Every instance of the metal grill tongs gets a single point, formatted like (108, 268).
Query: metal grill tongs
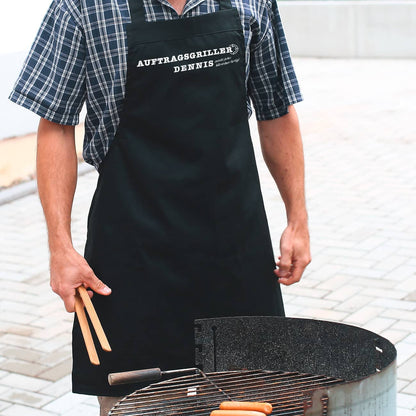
(82, 300)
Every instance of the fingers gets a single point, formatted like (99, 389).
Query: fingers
(284, 264)
(97, 285)
(65, 290)
(284, 271)
(295, 254)
(67, 293)
(69, 270)
(68, 296)
(292, 277)
(295, 272)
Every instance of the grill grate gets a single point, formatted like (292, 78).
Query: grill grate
(289, 393)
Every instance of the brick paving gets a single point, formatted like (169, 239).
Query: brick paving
(360, 144)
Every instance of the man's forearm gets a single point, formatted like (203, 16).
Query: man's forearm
(57, 178)
(281, 144)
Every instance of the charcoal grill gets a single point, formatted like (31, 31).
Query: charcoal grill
(300, 366)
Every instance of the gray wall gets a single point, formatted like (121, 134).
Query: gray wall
(15, 119)
(19, 23)
(350, 29)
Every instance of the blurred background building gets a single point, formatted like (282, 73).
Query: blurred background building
(351, 28)
(314, 28)
(19, 23)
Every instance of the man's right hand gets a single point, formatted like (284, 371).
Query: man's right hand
(69, 270)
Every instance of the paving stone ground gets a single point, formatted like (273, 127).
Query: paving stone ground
(360, 145)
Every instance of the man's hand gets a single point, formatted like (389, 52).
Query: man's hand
(295, 254)
(70, 270)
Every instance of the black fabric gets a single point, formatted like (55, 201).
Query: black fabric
(137, 11)
(177, 226)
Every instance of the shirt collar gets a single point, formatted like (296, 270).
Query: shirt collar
(191, 4)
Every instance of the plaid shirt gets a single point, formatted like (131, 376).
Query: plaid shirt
(80, 55)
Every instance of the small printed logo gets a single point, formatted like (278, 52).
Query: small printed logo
(233, 48)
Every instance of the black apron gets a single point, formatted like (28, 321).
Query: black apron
(177, 226)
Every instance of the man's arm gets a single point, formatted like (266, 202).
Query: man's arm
(281, 144)
(57, 178)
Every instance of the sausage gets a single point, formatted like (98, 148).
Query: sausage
(236, 413)
(257, 406)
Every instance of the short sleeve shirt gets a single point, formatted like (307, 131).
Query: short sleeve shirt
(80, 56)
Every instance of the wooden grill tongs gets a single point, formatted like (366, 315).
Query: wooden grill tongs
(82, 299)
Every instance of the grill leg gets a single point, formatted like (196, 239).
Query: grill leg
(319, 405)
(107, 403)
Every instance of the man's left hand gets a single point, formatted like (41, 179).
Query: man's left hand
(295, 254)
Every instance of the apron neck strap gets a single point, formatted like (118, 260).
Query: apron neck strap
(225, 4)
(137, 10)
(137, 13)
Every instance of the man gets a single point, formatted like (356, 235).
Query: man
(177, 226)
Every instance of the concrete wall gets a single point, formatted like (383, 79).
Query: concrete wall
(15, 120)
(19, 23)
(350, 29)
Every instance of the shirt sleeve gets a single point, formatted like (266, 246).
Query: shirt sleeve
(272, 83)
(52, 80)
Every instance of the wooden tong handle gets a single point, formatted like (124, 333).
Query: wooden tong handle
(85, 329)
(94, 319)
